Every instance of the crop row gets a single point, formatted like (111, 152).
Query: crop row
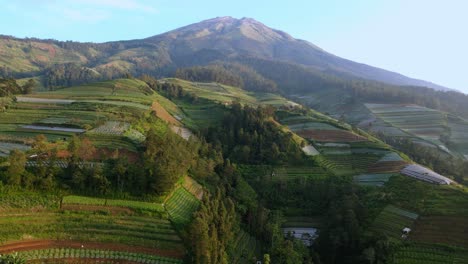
(430, 254)
(392, 220)
(137, 205)
(181, 205)
(65, 253)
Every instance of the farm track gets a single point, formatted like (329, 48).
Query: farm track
(45, 244)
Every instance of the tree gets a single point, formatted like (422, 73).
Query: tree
(16, 169)
(167, 158)
(29, 86)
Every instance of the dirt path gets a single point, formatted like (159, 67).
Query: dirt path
(44, 244)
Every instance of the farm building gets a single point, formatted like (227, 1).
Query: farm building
(424, 174)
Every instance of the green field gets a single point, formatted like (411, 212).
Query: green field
(430, 254)
(181, 205)
(392, 220)
(57, 254)
(137, 205)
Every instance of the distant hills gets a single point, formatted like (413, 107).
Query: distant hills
(219, 40)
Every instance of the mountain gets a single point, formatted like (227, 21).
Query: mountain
(219, 39)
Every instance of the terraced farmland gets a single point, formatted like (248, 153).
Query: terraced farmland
(430, 254)
(421, 122)
(437, 229)
(392, 220)
(297, 173)
(347, 164)
(181, 205)
(330, 135)
(372, 179)
(246, 249)
(7, 147)
(60, 254)
(136, 205)
(92, 227)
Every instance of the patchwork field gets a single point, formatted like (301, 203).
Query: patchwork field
(372, 179)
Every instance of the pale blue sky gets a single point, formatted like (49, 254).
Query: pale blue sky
(426, 39)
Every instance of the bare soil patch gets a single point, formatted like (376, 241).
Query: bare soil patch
(387, 166)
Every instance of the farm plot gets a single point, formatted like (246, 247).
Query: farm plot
(373, 179)
(53, 128)
(132, 230)
(297, 173)
(246, 249)
(348, 164)
(330, 135)
(429, 254)
(183, 132)
(181, 205)
(193, 187)
(422, 122)
(111, 128)
(451, 230)
(7, 147)
(312, 126)
(59, 254)
(23, 99)
(309, 150)
(334, 148)
(392, 220)
(387, 166)
(136, 205)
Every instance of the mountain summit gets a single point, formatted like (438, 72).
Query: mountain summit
(221, 39)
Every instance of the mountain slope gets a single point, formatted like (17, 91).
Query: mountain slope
(218, 39)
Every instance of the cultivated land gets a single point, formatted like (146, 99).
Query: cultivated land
(48, 226)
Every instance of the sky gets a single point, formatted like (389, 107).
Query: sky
(424, 39)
